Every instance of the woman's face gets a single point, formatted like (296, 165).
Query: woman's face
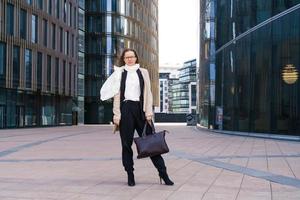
(129, 58)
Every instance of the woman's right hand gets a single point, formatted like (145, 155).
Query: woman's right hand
(116, 122)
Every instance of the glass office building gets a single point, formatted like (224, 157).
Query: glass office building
(111, 26)
(38, 63)
(249, 66)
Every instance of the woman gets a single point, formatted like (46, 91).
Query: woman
(132, 107)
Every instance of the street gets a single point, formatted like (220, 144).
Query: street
(84, 163)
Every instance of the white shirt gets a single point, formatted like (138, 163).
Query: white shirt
(111, 86)
(132, 87)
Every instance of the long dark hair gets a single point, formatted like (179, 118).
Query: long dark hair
(121, 60)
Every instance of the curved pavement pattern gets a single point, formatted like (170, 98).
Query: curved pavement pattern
(83, 162)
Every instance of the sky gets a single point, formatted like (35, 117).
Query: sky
(178, 30)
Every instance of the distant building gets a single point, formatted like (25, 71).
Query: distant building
(178, 93)
(167, 72)
(163, 93)
(183, 91)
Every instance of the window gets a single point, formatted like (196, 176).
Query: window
(34, 24)
(29, 2)
(81, 3)
(28, 67)
(56, 74)
(74, 17)
(45, 22)
(64, 76)
(65, 11)
(81, 41)
(80, 62)
(57, 8)
(39, 69)
(16, 66)
(73, 45)
(40, 4)
(53, 36)
(67, 43)
(10, 19)
(2, 58)
(23, 24)
(48, 73)
(50, 7)
(61, 39)
(74, 78)
(70, 14)
(70, 79)
(81, 19)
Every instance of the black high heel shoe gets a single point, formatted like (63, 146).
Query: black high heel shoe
(130, 181)
(164, 176)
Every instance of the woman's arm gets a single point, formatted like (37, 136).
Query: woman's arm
(148, 97)
(116, 109)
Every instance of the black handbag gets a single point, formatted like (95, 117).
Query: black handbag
(152, 144)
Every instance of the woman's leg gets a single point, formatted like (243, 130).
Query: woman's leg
(126, 133)
(158, 160)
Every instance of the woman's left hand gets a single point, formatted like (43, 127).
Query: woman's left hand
(149, 119)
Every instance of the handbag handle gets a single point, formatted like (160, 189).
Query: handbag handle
(145, 128)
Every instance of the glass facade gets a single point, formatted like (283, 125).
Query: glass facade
(111, 26)
(81, 60)
(38, 85)
(249, 66)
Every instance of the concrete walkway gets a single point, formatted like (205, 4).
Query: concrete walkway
(84, 163)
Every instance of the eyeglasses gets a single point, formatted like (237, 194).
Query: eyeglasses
(129, 57)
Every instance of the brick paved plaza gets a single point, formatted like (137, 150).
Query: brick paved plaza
(84, 163)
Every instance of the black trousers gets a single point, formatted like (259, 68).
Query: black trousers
(132, 119)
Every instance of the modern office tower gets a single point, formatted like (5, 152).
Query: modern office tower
(38, 62)
(183, 95)
(111, 26)
(249, 66)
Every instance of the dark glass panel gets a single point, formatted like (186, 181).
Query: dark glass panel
(10, 19)
(39, 70)
(40, 4)
(23, 24)
(48, 72)
(16, 66)
(53, 36)
(28, 67)
(56, 74)
(50, 7)
(45, 23)
(34, 28)
(2, 60)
